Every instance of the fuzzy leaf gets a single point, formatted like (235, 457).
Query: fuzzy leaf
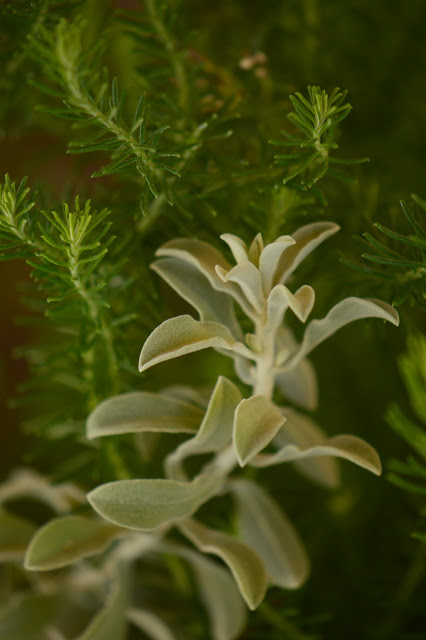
(344, 312)
(281, 298)
(244, 563)
(307, 239)
(66, 540)
(256, 422)
(150, 624)
(139, 411)
(205, 258)
(270, 258)
(148, 504)
(265, 528)
(215, 431)
(194, 287)
(247, 276)
(299, 385)
(237, 246)
(15, 534)
(181, 335)
(110, 622)
(303, 440)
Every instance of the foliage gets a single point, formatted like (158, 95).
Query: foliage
(154, 503)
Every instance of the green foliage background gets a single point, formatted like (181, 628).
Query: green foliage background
(368, 573)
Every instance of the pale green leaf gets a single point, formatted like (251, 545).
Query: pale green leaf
(151, 624)
(138, 411)
(264, 527)
(270, 258)
(181, 335)
(147, 504)
(205, 258)
(307, 239)
(299, 384)
(66, 540)
(281, 298)
(344, 312)
(110, 622)
(198, 396)
(25, 616)
(15, 534)
(237, 246)
(244, 563)
(301, 439)
(190, 283)
(255, 249)
(247, 277)
(215, 432)
(256, 422)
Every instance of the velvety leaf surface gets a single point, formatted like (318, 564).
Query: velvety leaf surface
(143, 411)
(66, 540)
(148, 504)
(264, 526)
(181, 335)
(256, 422)
(244, 563)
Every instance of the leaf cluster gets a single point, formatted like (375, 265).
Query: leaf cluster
(313, 151)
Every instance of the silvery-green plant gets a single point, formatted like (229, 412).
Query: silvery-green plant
(265, 550)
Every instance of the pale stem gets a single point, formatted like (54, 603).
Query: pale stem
(264, 371)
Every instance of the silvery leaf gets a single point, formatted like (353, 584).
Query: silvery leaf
(270, 258)
(215, 432)
(344, 312)
(199, 396)
(182, 335)
(244, 563)
(138, 411)
(247, 277)
(205, 258)
(237, 246)
(66, 540)
(150, 624)
(15, 534)
(147, 504)
(255, 249)
(301, 439)
(264, 527)
(307, 239)
(194, 287)
(256, 422)
(299, 384)
(281, 298)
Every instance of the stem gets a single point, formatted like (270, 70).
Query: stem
(264, 373)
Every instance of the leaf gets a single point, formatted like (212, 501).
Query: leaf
(237, 246)
(270, 258)
(244, 563)
(181, 335)
(66, 540)
(26, 616)
(265, 527)
(299, 384)
(110, 622)
(247, 276)
(205, 258)
(150, 624)
(147, 504)
(194, 287)
(256, 422)
(344, 312)
(281, 298)
(307, 239)
(139, 411)
(215, 432)
(15, 534)
(301, 439)
(222, 600)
